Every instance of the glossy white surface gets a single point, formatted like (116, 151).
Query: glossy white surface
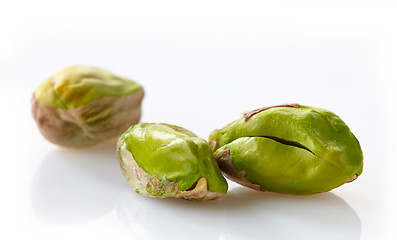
(201, 65)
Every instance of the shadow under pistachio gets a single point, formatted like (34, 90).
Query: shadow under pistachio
(242, 214)
(77, 185)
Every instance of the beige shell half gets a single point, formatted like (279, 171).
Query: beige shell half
(141, 181)
(90, 124)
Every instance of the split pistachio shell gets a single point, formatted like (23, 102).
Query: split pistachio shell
(291, 149)
(163, 160)
(83, 105)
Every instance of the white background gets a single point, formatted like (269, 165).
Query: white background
(201, 63)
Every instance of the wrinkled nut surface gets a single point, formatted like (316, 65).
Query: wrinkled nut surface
(290, 148)
(83, 105)
(163, 160)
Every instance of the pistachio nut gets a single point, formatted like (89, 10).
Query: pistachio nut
(290, 148)
(84, 105)
(163, 160)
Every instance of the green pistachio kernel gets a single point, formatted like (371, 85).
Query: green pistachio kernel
(83, 105)
(77, 86)
(163, 160)
(291, 149)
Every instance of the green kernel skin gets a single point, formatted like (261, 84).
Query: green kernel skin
(78, 85)
(292, 149)
(175, 154)
(81, 106)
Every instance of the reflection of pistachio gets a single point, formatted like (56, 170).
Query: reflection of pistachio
(163, 160)
(82, 105)
(290, 148)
